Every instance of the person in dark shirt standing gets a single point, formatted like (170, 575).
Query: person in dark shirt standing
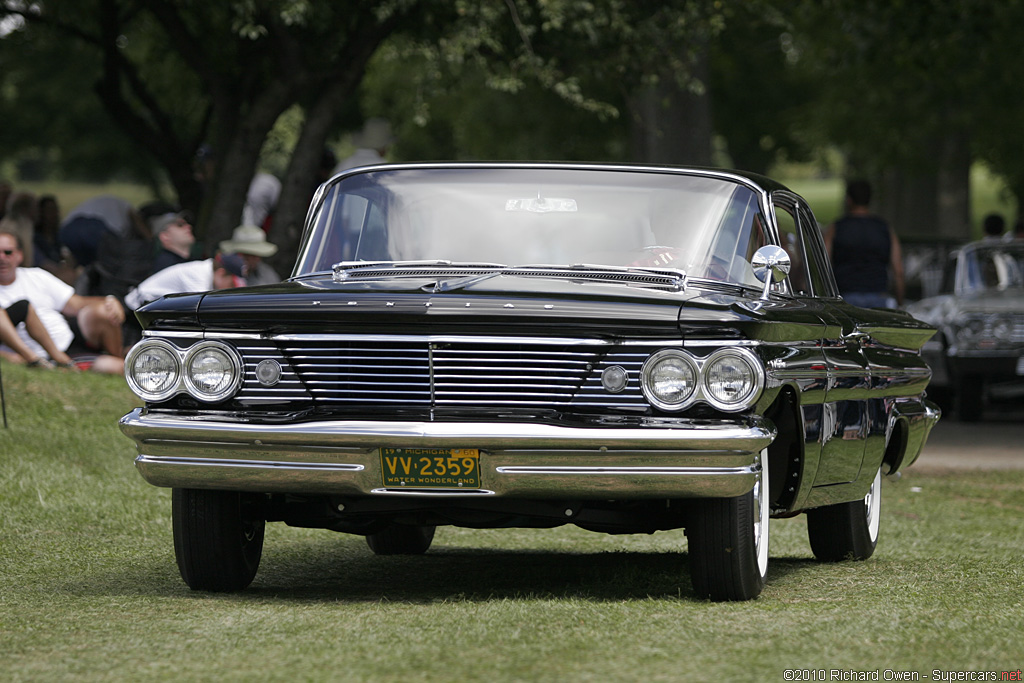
(864, 251)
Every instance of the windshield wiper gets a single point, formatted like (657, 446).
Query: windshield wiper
(345, 269)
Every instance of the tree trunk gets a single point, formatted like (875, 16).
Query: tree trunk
(236, 157)
(932, 203)
(302, 176)
(671, 125)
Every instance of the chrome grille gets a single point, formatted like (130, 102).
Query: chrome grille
(420, 372)
(1017, 329)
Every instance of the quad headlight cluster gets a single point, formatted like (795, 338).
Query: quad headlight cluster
(209, 371)
(989, 331)
(729, 379)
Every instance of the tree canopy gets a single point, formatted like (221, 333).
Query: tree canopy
(139, 86)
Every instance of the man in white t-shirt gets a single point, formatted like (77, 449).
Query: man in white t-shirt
(225, 271)
(92, 322)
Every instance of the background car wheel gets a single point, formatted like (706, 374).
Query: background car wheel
(728, 541)
(847, 531)
(970, 397)
(218, 538)
(399, 539)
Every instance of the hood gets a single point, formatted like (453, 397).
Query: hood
(993, 301)
(947, 308)
(543, 306)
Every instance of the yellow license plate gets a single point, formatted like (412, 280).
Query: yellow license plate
(430, 468)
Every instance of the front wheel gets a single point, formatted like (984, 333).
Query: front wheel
(728, 541)
(847, 531)
(218, 538)
(399, 539)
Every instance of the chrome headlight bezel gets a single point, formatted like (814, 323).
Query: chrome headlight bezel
(648, 381)
(182, 381)
(702, 391)
(131, 372)
(754, 382)
(227, 388)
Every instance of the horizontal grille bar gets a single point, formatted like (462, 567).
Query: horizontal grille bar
(419, 372)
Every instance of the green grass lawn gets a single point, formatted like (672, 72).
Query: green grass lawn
(89, 589)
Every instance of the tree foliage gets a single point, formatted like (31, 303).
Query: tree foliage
(138, 85)
(171, 74)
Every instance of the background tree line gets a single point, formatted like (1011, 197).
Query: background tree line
(911, 92)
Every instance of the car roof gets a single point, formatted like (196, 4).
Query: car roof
(754, 180)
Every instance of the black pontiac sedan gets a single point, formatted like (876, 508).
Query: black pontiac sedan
(627, 349)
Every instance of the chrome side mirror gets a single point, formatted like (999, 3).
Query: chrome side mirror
(771, 264)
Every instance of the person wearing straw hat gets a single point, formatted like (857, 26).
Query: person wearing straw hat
(250, 242)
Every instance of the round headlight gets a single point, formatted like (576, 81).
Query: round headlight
(212, 371)
(669, 379)
(971, 328)
(732, 379)
(1001, 329)
(153, 370)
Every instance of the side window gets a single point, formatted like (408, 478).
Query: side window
(799, 281)
(373, 241)
(814, 251)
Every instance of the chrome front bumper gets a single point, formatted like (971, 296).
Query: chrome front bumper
(697, 458)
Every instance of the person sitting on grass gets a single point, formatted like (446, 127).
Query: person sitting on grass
(223, 271)
(75, 323)
(22, 312)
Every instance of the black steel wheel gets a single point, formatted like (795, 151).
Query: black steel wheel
(218, 538)
(728, 542)
(399, 539)
(847, 531)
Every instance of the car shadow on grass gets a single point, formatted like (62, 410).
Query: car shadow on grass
(323, 571)
(452, 573)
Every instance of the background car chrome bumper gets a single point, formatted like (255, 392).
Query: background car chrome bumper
(698, 458)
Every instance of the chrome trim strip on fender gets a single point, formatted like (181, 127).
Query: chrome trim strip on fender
(628, 471)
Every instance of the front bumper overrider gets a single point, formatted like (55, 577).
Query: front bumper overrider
(655, 459)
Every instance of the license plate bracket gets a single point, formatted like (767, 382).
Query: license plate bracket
(430, 468)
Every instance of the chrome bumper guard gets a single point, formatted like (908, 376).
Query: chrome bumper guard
(698, 458)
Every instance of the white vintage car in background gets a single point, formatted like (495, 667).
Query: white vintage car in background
(978, 354)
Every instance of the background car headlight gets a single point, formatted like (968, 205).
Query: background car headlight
(1001, 330)
(971, 328)
(732, 379)
(213, 371)
(669, 379)
(153, 370)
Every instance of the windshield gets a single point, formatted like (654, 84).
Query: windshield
(702, 225)
(995, 266)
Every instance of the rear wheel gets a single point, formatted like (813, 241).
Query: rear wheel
(728, 540)
(218, 538)
(399, 539)
(847, 531)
